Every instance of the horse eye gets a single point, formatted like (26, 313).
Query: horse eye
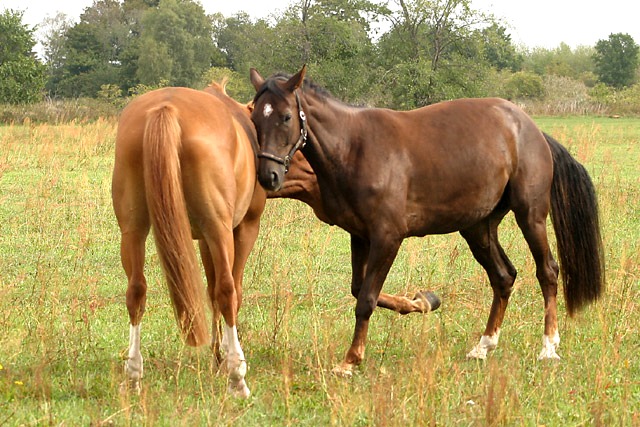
(286, 118)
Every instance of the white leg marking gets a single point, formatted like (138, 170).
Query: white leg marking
(236, 364)
(133, 365)
(486, 344)
(549, 346)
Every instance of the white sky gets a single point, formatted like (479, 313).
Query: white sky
(540, 23)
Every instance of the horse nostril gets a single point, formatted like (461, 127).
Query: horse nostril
(275, 179)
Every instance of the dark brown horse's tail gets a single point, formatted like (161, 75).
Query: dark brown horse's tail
(574, 213)
(171, 228)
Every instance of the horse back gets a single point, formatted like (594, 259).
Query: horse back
(452, 162)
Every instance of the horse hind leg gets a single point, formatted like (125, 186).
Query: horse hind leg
(221, 247)
(483, 242)
(216, 329)
(422, 302)
(533, 226)
(132, 250)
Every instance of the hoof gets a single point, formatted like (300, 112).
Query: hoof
(477, 354)
(237, 385)
(344, 370)
(429, 298)
(130, 386)
(548, 354)
(239, 390)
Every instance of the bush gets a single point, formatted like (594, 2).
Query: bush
(524, 85)
(625, 101)
(58, 111)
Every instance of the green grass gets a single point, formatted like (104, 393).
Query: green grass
(65, 326)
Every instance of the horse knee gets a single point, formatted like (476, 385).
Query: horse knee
(365, 307)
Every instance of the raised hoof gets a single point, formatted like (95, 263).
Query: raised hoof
(344, 370)
(430, 298)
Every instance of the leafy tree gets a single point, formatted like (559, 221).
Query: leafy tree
(499, 49)
(90, 54)
(340, 50)
(175, 43)
(245, 43)
(83, 70)
(331, 36)
(617, 60)
(22, 76)
(433, 51)
(562, 61)
(53, 32)
(137, 42)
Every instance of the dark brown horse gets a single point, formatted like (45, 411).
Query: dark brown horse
(185, 166)
(455, 166)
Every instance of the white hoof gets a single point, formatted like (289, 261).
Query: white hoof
(548, 354)
(239, 390)
(344, 370)
(133, 370)
(486, 344)
(477, 352)
(237, 385)
(549, 346)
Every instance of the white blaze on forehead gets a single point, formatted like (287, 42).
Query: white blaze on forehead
(268, 109)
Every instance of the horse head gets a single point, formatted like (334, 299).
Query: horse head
(280, 123)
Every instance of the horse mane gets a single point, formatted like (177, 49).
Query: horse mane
(221, 85)
(271, 85)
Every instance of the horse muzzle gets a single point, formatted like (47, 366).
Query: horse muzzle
(271, 174)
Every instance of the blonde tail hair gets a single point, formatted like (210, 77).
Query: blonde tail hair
(171, 228)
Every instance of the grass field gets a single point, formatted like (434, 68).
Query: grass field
(65, 327)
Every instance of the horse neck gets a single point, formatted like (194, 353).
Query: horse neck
(330, 132)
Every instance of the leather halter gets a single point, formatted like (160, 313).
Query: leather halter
(302, 140)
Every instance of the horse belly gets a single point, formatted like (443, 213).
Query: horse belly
(453, 211)
(444, 222)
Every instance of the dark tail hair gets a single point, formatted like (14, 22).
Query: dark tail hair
(574, 214)
(171, 228)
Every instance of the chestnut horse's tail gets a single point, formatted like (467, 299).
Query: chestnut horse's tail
(574, 213)
(171, 228)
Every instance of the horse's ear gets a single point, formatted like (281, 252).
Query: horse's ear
(296, 81)
(256, 79)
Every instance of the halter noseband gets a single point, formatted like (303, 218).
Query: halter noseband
(302, 140)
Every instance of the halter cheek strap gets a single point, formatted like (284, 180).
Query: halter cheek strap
(300, 143)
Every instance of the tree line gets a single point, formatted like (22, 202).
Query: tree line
(402, 54)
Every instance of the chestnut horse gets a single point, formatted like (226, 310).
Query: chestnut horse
(185, 165)
(459, 166)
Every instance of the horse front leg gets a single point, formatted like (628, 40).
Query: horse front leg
(381, 255)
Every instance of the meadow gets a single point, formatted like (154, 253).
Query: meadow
(64, 325)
